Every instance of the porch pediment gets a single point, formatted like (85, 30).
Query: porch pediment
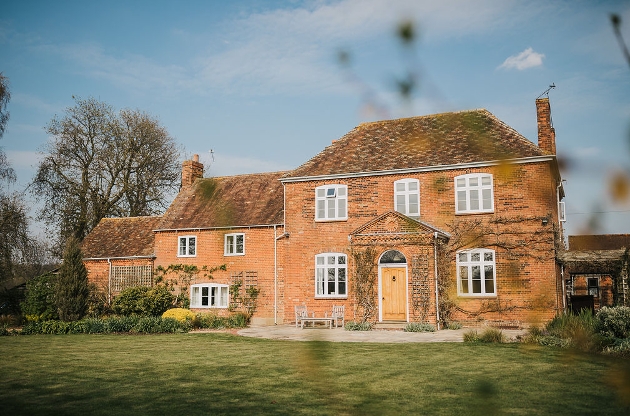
(394, 223)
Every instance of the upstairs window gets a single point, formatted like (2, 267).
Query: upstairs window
(476, 273)
(407, 197)
(187, 246)
(209, 296)
(234, 245)
(330, 275)
(473, 193)
(331, 203)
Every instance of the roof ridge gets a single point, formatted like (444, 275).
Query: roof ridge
(474, 110)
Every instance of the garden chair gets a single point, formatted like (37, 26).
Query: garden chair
(338, 312)
(300, 312)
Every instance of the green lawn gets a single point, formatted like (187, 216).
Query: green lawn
(188, 374)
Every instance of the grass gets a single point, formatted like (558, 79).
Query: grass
(220, 373)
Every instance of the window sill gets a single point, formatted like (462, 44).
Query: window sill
(474, 212)
(476, 295)
(331, 296)
(179, 255)
(331, 220)
(233, 255)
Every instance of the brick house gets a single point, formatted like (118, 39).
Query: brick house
(436, 218)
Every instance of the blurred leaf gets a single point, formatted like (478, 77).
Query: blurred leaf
(407, 32)
(620, 186)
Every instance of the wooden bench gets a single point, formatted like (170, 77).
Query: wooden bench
(327, 320)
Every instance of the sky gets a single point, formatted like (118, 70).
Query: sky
(256, 86)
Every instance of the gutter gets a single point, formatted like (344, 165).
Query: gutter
(228, 227)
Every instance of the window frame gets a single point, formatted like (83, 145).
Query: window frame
(468, 190)
(222, 296)
(406, 194)
(469, 264)
(327, 198)
(234, 245)
(187, 246)
(322, 284)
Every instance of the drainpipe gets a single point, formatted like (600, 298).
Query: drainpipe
(275, 276)
(109, 281)
(435, 273)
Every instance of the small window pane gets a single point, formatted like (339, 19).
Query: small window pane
(400, 203)
(463, 275)
(320, 260)
(474, 181)
(321, 208)
(487, 256)
(342, 259)
(474, 200)
(400, 187)
(486, 180)
(342, 288)
(487, 198)
(321, 192)
(331, 208)
(475, 257)
(330, 192)
(341, 191)
(224, 297)
(331, 259)
(461, 182)
(413, 204)
(413, 186)
(463, 256)
(461, 200)
(341, 211)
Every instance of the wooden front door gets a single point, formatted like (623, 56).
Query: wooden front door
(394, 294)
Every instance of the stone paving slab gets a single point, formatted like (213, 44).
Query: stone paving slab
(291, 333)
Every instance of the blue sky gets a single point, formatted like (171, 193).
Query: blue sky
(258, 82)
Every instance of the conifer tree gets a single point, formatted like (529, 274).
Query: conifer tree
(72, 292)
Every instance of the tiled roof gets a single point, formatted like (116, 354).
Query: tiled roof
(433, 140)
(241, 200)
(121, 237)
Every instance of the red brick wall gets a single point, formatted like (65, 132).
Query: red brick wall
(259, 257)
(523, 195)
(98, 271)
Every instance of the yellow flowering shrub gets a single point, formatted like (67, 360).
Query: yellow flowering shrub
(181, 314)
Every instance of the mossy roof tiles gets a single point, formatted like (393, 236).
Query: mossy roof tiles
(121, 237)
(407, 143)
(228, 201)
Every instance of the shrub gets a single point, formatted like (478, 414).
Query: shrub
(181, 314)
(128, 302)
(613, 322)
(489, 335)
(568, 325)
(358, 326)
(621, 348)
(143, 301)
(39, 304)
(126, 324)
(212, 321)
(156, 301)
(419, 327)
(454, 325)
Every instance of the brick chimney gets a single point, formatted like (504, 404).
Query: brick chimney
(546, 132)
(191, 171)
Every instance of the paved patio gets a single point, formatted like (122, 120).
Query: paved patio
(291, 333)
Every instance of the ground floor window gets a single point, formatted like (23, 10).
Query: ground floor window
(330, 275)
(209, 295)
(476, 273)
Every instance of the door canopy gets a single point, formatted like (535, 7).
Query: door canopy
(393, 257)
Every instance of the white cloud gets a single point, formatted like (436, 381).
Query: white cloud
(23, 159)
(526, 59)
(587, 152)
